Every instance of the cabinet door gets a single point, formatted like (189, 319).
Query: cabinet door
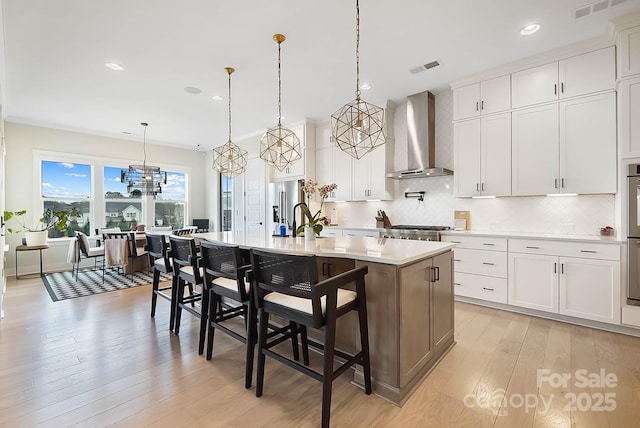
(588, 145)
(466, 102)
(533, 281)
(325, 173)
(442, 312)
(590, 289)
(360, 176)
(628, 114)
(495, 95)
(343, 178)
(323, 136)
(535, 146)
(377, 181)
(535, 85)
(629, 52)
(415, 318)
(466, 146)
(587, 73)
(495, 155)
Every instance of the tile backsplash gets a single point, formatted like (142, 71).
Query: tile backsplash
(582, 215)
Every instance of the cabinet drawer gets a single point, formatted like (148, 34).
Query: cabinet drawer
(489, 263)
(481, 287)
(585, 250)
(477, 242)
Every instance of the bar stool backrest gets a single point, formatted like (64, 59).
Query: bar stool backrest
(294, 275)
(223, 260)
(184, 254)
(158, 248)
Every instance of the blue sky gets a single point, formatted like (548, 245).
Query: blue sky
(73, 180)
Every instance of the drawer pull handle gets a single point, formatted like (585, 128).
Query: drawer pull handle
(488, 264)
(588, 251)
(456, 283)
(455, 242)
(484, 243)
(533, 248)
(457, 260)
(488, 289)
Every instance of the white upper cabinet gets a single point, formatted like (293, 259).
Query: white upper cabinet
(482, 156)
(628, 114)
(588, 145)
(490, 96)
(568, 147)
(629, 52)
(368, 173)
(578, 75)
(305, 167)
(535, 150)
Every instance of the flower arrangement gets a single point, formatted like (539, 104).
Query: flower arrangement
(317, 220)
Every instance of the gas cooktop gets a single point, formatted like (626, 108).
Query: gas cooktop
(414, 227)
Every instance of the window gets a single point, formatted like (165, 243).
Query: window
(66, 185)
(170, 204)
(226, 203)
(121, 209)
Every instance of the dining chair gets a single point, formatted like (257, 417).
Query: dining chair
(133, 251)
(88, 252)
(160, 259)
(188, 273)
(287, 286)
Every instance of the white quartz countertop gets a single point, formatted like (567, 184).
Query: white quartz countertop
(527, 235)
(377, 250)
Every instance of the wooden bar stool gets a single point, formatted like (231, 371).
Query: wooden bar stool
(287, 286)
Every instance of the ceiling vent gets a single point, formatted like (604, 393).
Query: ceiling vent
(594, 7)
(424, 67)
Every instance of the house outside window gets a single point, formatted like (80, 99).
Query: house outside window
(66, 185)
(122, 209)
(170, 204)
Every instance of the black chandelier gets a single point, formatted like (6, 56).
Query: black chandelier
(148, 179)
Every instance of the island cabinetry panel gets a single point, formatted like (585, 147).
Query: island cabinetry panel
(481, 266)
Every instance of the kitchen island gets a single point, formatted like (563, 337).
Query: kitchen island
(409, 300)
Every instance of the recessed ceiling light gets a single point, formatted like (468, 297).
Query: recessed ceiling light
(527, 30)
(192, 90)
(113, 66)
(216, 98)
(365, 86)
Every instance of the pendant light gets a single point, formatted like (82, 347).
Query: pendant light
(229, 158)
(147, 179)
(358, 127)
(279, 146)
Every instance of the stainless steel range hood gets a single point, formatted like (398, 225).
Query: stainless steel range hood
(420, 139)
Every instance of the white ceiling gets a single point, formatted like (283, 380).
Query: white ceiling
(55, 53)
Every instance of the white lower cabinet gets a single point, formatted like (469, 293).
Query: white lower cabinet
(480, 267)
(544, 275)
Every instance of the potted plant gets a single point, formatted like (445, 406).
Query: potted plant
(37, 235)
(315, 222)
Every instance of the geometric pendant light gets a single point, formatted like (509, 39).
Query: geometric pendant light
(279, 146)
(148, 179)
(358, 127)
(230, 159)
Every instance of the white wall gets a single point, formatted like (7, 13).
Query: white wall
(571, 215)
(22, 140)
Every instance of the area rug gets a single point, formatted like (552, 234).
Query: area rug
(63, 285)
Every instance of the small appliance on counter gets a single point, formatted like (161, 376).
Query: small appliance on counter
(461, 220)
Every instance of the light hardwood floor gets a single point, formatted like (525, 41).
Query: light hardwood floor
(102, 361)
